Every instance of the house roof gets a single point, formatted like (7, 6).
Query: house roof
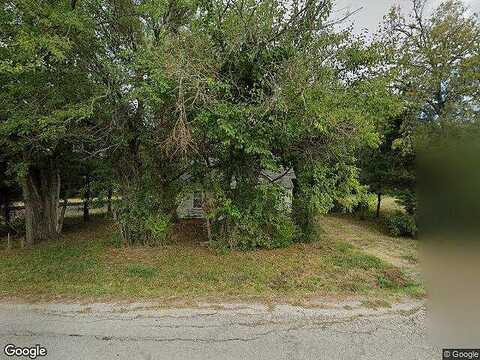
(282, 177)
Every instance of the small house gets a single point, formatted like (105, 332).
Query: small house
(191, 205)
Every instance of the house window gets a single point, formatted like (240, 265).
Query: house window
(197, 200)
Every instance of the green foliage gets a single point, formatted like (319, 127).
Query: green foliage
(250, 234)
(382, 166)
(434, 58)
(262, 223)
(432, 61)
(152, 98)
(408, 200)
(47, 93)
(325, 187)
(400, 224)
(140, 218)
(159, 226)
(15, 227)
(386, 283)
(355, 260)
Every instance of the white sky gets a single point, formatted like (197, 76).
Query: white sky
(374, 10)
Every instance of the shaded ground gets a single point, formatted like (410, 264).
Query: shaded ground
(144, 331)
(89, 263)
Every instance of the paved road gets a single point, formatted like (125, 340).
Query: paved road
(142, 331)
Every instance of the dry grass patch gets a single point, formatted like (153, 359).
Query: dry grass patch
(370, 237)
(85, 264)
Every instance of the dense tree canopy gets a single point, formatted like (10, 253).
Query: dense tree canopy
(153, 99)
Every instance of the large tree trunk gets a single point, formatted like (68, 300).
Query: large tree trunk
(41, 193)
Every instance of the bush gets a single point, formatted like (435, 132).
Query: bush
(362, 209)
(359, 202)
(282, 231)
(141, 220)
(262, 222)
(408, 200)
(158, 226)
(401, 224)
(249, 233)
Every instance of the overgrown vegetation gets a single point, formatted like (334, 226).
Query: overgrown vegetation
(86, 265)
(138, 104)
(143, 99)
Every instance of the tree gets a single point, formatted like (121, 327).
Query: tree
(210, 91)
(333, 101)
(437, 58)
(142, 121)
(385, 169)
(46, 95)
(437, 62)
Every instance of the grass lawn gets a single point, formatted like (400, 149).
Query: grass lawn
(85, 265)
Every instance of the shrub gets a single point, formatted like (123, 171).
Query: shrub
(362, 209)
(249, 233)
(283, 231)
(359, 202)
(158, 226)
(408, 200)
(401, 224)
(263, 222)
(141, 219)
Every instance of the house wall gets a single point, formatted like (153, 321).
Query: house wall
(186, 210)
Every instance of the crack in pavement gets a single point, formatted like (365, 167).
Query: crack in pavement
(134, 339)
(325, 326)
(286, 333)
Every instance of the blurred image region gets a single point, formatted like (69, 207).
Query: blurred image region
(449, 194)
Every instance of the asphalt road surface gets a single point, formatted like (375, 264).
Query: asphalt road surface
(144, 331)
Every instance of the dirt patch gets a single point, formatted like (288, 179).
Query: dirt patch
(189, 232)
